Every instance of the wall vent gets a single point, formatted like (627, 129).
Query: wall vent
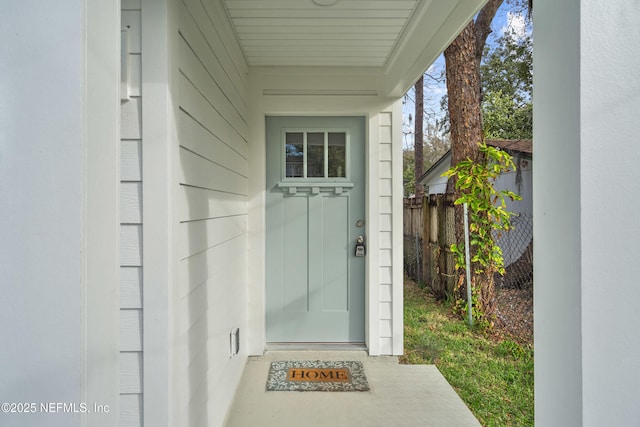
(234, 341)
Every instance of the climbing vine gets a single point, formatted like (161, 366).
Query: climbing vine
(488, 216)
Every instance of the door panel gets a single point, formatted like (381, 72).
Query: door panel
(295, 255)
(334, 277)
(315, 196)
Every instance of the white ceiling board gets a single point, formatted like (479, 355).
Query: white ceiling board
(300, 32)
(363, 43)
(322, 13)
(310, 5)
(395, 39)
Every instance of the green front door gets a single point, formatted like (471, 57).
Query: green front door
(314, 216)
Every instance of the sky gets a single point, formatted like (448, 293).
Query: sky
(434, 91)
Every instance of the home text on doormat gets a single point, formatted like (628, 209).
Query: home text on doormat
(319, 374)
(316, 375)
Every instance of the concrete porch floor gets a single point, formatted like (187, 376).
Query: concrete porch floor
(400, 395)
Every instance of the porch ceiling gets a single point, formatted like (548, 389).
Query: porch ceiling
(398, 39)
(303, 32)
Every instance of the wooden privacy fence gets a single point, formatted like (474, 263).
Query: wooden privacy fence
(429, 232)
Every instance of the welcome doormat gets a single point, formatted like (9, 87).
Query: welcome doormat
(316, 375)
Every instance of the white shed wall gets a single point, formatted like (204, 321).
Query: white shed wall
(516, 242)
(586, 230)
(509, 181)
(438, 183)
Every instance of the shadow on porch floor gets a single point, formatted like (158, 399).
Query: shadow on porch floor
(401, 395)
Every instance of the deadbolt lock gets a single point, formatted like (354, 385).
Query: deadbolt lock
(361, 249)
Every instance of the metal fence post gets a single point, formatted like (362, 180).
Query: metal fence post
(468, 263)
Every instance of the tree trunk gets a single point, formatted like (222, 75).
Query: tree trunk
(463, 88)
(462, 59)
(418, 136)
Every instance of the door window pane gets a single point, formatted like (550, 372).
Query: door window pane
(337, 155)
(294, 146)
(315, 155)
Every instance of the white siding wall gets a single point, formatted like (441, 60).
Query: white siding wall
(59, 228)
(41, 171)
(131, 242)
(587, 230)
(210, 297)
(385, 232)
(610, 233)
(385, 279)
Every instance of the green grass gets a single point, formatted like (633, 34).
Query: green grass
(494, 376)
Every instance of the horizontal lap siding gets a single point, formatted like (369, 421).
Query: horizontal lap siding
(385, 235)
(131, 244)
(211, 206)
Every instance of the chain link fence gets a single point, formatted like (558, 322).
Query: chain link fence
(414, 257)
(429, 231)
(517, 251)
